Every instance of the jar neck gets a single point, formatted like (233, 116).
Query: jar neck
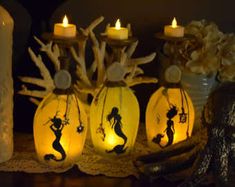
(59, 91)
(115, 83)
(172, 85)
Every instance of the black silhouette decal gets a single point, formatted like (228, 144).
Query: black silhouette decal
(172, 112)
(57, 126)
(117, 126)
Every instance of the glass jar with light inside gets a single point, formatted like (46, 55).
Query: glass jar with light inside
(170, 112)
(60, 121)
(114, 115)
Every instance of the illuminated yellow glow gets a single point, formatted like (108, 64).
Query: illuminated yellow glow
(65, 21)
(157, 120)
(128, 117)
(71, 141)
(118, 24)
(174, 23)
(111, 140)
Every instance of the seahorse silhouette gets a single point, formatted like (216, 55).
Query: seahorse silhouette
(169, 129)
(57, 127)
(117, 126)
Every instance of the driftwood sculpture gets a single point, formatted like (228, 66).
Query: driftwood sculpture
(85, 82)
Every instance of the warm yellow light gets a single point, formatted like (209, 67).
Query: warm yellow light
(174, 23)
(111, 140)
(169, 117)
(59, 130)
(118, 24)
(114, 121)
(65, 21)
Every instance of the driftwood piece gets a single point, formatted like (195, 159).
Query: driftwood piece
(173, 158)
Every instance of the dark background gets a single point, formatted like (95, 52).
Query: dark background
(146, 17)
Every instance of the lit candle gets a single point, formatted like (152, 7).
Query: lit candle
(174, 30)
(117, 32)
(65, 29)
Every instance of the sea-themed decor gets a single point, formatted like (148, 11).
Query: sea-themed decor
(88, 79)
(170, 113)
(60, 126)
(60, 122)
(114, 115)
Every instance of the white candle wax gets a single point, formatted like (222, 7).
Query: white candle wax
(117, 32)
(174, 30)
(6, 85)
(65, 29)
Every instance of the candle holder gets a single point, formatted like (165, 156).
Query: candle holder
(117, 46)
(64, 44)
(175, 42)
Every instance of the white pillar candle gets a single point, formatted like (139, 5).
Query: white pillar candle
(117, 32)
(6, 85)
(174, 30)
(65, 29)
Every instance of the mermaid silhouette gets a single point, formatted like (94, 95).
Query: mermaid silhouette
(57, 127)
(169, 129)
(117, 126)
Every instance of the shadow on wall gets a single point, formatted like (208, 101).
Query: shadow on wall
(146, 17)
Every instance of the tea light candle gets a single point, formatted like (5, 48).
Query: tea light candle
(174, 30)
(117, 32)
(65, 29)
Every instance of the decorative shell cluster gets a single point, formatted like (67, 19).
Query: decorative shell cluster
(211, 51)
(85, 83)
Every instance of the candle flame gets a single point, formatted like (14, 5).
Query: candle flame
(118, 24)
(65, 21)
(174, 23)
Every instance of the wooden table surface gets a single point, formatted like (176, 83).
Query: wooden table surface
(74, 178)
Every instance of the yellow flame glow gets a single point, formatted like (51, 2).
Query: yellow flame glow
(118, 24)
(174, 23)
(65, 21)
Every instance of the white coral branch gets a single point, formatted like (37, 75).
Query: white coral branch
(46, 82)
(140, 80)
(33, 93)
(52, 52)
(131, 49)
(142, 60)
(90, 28)
(99, 54)
(81, 70)
(43, 69)
(35, 81)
